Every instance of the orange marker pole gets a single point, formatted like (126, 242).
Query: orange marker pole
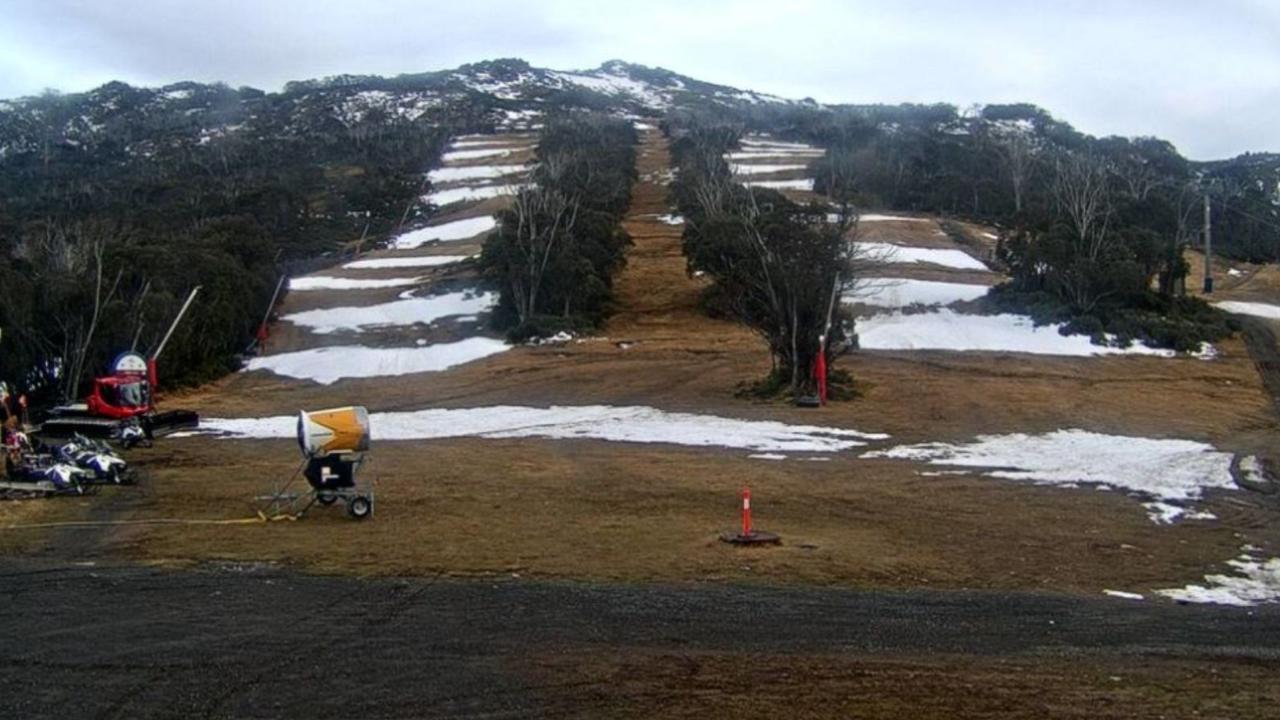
(746, 511)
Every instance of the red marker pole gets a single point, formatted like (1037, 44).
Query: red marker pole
(746, 511)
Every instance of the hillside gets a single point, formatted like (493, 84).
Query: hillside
(996, 510)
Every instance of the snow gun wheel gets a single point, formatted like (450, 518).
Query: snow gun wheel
(360, 507)
(326, 498)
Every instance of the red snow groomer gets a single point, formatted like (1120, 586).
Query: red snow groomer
(121, 406)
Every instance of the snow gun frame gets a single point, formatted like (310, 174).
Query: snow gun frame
(333, 443)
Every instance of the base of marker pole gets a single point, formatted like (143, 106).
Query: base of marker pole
(755, 537)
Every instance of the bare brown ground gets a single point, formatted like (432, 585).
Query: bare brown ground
(668, 684)
(589, 509)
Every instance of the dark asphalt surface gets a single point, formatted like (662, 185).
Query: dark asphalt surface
(99, 642)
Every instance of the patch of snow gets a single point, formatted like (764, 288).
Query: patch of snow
(739, 169)
(467, 173)
(1234, 272)
(761, 141)
(903, 254)
(801, 184)
(327, 365)
(455, 155)
(946, 329)
(634, 424)
(1163, 513)
(447, 232)
(670, 219)
(878, 217)
(1169, 471)
(900, 293)
(1254, 582)
(405, 262)
(780, 154)
(1123, 595)
(326, 282)
(1257, 309)
(767, 456)
(407, 311)
(469, 194)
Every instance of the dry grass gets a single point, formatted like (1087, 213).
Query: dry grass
(628, 512)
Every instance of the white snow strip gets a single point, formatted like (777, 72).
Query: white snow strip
(900, 293)
(1163, 513)
(448, 232)
(475, 154)
(881, 218)
(671, 219)
(636, 424)
(326, 282)
(780, 154)
(902, 254)
(763, 142)
(1170, 471)
(801, 184)
(405, 262)
(1262, 310)
(327, 365)
(474, 172)
(397, 312)
(1123, 595)
(470, 194)
(1254, 583)
(767, 456)
(738, 169)
(946, 329)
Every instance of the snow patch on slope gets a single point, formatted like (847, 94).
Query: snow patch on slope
(327, 365)
(1168, 471)
(633, 424)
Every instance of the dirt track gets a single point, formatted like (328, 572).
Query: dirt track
(248, 641)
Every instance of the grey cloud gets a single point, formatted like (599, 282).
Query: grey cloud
(1203, 75)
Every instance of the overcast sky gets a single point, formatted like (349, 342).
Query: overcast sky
(1203, 74)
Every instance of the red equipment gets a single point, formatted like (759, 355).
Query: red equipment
(123, 399)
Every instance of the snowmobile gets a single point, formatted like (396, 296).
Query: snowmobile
(99, 462)
(122, 405)
(42, 474)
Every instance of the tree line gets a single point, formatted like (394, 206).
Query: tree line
(102, 240)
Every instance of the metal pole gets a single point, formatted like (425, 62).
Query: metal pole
(1208, 248)
(274, 295)
(176, 320)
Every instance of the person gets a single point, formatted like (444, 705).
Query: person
(15, 443)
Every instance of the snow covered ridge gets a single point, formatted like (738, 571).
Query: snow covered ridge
(946, 329)
(801, 184)
(905, 254)
(633, 424)
(469, 194)
(468, 173)
(407, 311)
(326, 282)
(1262, 310)
(446, 232)
(1170, 473)
(327, 365)
(406, 262)
(900, 293)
